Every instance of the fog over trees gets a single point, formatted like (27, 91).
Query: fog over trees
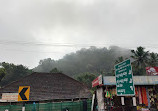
(93, 60)
(84, 65)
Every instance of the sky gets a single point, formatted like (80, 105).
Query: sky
(31, 30)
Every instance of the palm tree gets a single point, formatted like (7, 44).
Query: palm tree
(153, 59)
(119, 59)
(141, 60)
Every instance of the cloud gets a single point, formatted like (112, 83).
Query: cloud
(127, 23)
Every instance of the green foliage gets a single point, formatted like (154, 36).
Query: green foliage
(2, 73)
(153, 59)
(140, 56)
(93, 60)
(143, 59)
(55, 70)
(119, 59)
(86, 78)
(13, 72)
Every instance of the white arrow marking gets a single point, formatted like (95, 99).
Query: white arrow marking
(130, 80)
(131, 88)
(130, 72)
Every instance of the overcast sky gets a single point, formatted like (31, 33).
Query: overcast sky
(31, 30)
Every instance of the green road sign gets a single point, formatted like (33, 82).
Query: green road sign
(124, 79)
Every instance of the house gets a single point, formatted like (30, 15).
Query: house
(49, 87)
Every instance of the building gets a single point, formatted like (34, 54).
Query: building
(146, 93)
(49, 87)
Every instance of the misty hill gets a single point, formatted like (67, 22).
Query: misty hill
(93, 60)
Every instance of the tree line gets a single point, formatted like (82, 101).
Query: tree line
(93, 60)
(10, 72)
(84, 65)
(141, 60)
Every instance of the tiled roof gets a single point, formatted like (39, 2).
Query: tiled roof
(49, 86)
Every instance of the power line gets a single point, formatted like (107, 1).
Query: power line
(64, 44)
(55, 52)
(6, 42)
(48, 44)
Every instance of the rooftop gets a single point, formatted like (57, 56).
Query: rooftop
(49, 86)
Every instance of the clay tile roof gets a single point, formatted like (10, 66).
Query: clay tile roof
(49, 86)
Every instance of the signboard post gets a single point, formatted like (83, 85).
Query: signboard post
(98, 81)
(124, 79)
(152, 71)
(9, 97)
(24, 92)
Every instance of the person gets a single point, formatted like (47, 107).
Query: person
(34, 106)
(97, 108)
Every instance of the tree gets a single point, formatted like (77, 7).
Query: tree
(153, 59)
(141, 60)
(45, 65)
(93, 60)
(55, 70)
(14, 72)
(86, 78)
(2, 73)
(120, 59)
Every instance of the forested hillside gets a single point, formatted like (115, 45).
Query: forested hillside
(84, 65)
(93, 60)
